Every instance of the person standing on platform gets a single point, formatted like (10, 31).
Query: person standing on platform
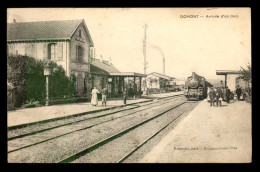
(218, 96)
(238, 92)
(212, 95)
(94, 98)
(208, 99)
(125, 96)
(228, 94)
(104, 93)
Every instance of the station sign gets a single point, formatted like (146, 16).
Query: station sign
(47, 71)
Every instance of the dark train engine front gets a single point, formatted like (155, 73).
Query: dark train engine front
(195, 87)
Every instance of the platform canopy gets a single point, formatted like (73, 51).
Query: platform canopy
(225, 72)
(128, 74)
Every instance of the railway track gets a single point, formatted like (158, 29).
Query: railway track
(15, 133)
(166, 128)
(72, 128)
(106, 151)
(61, 148)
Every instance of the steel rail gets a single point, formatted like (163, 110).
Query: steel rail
(111, 113)
(153, 135)
(106, 140)
(80, 128)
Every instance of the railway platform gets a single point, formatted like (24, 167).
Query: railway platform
(208, 135)
(38, 114)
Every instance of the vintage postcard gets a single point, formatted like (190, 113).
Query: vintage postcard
(129, 85)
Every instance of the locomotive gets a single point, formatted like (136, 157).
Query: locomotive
(196, 87)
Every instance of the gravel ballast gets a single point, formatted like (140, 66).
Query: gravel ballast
(59, 148)
(58, 132)
(118, 148)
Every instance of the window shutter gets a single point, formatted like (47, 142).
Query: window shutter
(45, 48)
(52, 51)
(82, 54)
(79, 33)
(49, 51)
(59, 51)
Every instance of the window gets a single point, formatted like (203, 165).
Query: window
(80, 33)
(79, 53)
(51, 51)
(59, 51)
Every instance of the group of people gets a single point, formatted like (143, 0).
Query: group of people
(104, 92)
(217, 95)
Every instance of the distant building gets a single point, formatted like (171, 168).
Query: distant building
(66, 42)
(159, 81)
(180, 84)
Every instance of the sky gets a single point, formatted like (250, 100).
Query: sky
(202, 45)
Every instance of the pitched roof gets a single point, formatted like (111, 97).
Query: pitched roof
(42, 30)
(128, 74)
(161, 75)
(97, 71)
(103, 67)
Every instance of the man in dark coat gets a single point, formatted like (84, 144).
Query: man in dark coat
(218, 96)
(104, 93)
(228, 93)
(212, 95)
(238, 92)
(125, 96)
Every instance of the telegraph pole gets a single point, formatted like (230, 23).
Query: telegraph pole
(144, 48)
(145, 91)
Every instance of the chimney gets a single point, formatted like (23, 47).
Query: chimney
(101, 58)
(110, 61)
(164, 66)
(14, 20)
(193, 74)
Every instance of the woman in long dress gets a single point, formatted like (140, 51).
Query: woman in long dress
(94, 98)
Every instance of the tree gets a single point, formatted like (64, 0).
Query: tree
(35, 80)
(246, 73)
(26, 74)
(16, 75)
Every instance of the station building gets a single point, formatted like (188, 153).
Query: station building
(67, 42)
